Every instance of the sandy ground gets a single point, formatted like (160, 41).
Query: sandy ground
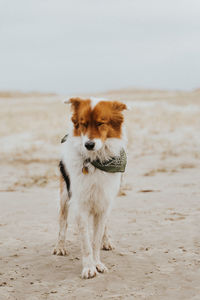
(155, 226)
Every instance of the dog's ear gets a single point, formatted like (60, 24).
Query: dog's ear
(117, 117)
(75, 102)
(118, 106)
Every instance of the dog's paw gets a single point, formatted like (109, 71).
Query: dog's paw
(60, 249)
(121, 192)
(107, 245)
(101, 267)
(89, 272)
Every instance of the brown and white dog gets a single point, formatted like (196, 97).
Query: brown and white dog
(97, 132)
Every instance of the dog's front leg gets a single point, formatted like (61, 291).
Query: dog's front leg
(99, 227)
(89, 268)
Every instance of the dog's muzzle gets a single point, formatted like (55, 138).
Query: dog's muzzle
(89, 145)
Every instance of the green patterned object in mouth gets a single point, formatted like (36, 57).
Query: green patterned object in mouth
(113, 165)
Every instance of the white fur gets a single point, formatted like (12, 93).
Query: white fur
(95, 101)
(92, 194)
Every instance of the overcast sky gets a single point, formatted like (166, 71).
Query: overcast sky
(78, 46)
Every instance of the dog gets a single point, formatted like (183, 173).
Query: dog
(93, 159)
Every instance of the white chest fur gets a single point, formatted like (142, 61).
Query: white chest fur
(94, 191)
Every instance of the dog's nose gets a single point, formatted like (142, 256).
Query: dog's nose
(90, 145)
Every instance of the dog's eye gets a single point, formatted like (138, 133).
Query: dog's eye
(84, 125)
(99, 124)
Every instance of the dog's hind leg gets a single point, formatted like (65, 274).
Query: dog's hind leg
(60, 248)
(106, 242)
(122, 186)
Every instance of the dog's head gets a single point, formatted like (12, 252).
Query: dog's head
(95, 122)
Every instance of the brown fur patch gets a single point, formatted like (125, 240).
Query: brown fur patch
(63, 204)
(62, 184)
(104, 121)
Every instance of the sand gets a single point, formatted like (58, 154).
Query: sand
(154, 226)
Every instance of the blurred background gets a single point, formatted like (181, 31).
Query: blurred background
(71, 47)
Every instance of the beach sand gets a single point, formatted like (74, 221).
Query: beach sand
(154, 225)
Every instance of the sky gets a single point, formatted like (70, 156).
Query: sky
(81, 46)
